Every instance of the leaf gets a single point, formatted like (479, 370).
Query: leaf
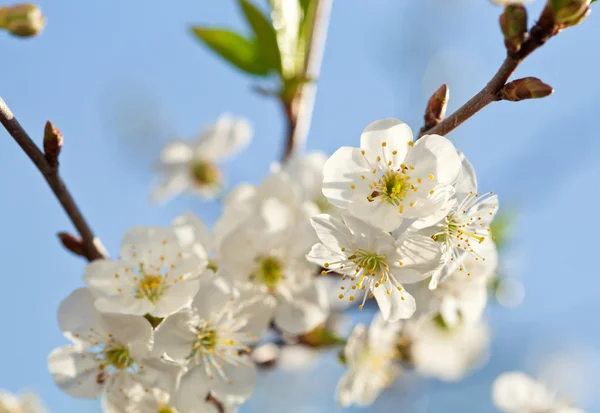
(265, 35)
(237, 50)
(321, 337)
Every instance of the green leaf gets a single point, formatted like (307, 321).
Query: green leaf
(265, 35)
(237, 50)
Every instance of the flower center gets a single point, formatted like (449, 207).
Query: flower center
(270, 271)
(117, 355)
(206, 340)
(205, 173)
(165, 409)
(392, 187)
(150, 287)
(212, 265)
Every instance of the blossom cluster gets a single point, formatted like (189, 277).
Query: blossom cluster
(169, 325)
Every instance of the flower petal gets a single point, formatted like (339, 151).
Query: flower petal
(394, 133)
(343, 170)
(435, 155)
(516, 392)
(397, 305)
(224, 138)
(75, 373)
(174, 336)
(305, 310)
(239, 383)
(176, 152)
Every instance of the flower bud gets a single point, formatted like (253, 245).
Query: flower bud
(570, 12)
(526, 88)
(436, 107)
(72, 243)
(513, 23)
(53, 141)
(23, 20)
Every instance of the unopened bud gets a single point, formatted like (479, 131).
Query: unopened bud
(513, 23)
(526, 88)
(570, 12)
(53, 141)
(23, 20)
(436, 107)
(72, 243)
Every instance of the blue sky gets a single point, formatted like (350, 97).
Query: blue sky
(121, 78)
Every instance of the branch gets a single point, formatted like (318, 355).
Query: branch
(50, 172)
(299, 109)
(539, 34)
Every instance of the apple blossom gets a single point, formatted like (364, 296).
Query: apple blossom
(372, 261)
(273, 276)
(211, 342)
(516, 392)
(372, 357)
(193, 166)
(391, 178)
(443, 352)
(109, 353)
(23, 403)
(155, 275)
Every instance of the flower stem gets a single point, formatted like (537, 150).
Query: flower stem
(539, 34)
(50, 172)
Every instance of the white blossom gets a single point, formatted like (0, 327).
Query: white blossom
(273, 277)
(210, 340)
(155, 275)
(22, 403)
(391, 178)
(194, 166)
(373, 360)
(192, 233)
(372, 261)
(462, 297)
(109, 353)
(463, 229)
(516, 392)
(446, 353)
(307, 170)
(279, 200)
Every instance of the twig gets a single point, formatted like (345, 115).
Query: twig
(539, 34)
(299, 110)
(50, 173)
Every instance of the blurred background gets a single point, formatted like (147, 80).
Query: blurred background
(120, 79)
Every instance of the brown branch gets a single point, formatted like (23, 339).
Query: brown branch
(299, 108)
(539, 34)
(50, 173)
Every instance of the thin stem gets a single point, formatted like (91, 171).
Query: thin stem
(50, 173)
(299, 110)
(539, 34)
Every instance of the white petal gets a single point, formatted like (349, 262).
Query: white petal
(436, 155)
(148, 244)
(135, 332)
(77, 314)
(307, 309)
(343, 169)
(357, 387)
(420, 256)
(383, 335)
(356, 344)
(397, 305)
(178, 296)
(396, 135)
(192, 232)
(192, 392)
(515, 392)
(382, 215)
(467, 179)
(105, 276)
(332, 232)
(176, 152)
(320, 254)
(258, 307)
(240, 382)
(173, 184)
(226, 137)
(75, 373)
(174, 336)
